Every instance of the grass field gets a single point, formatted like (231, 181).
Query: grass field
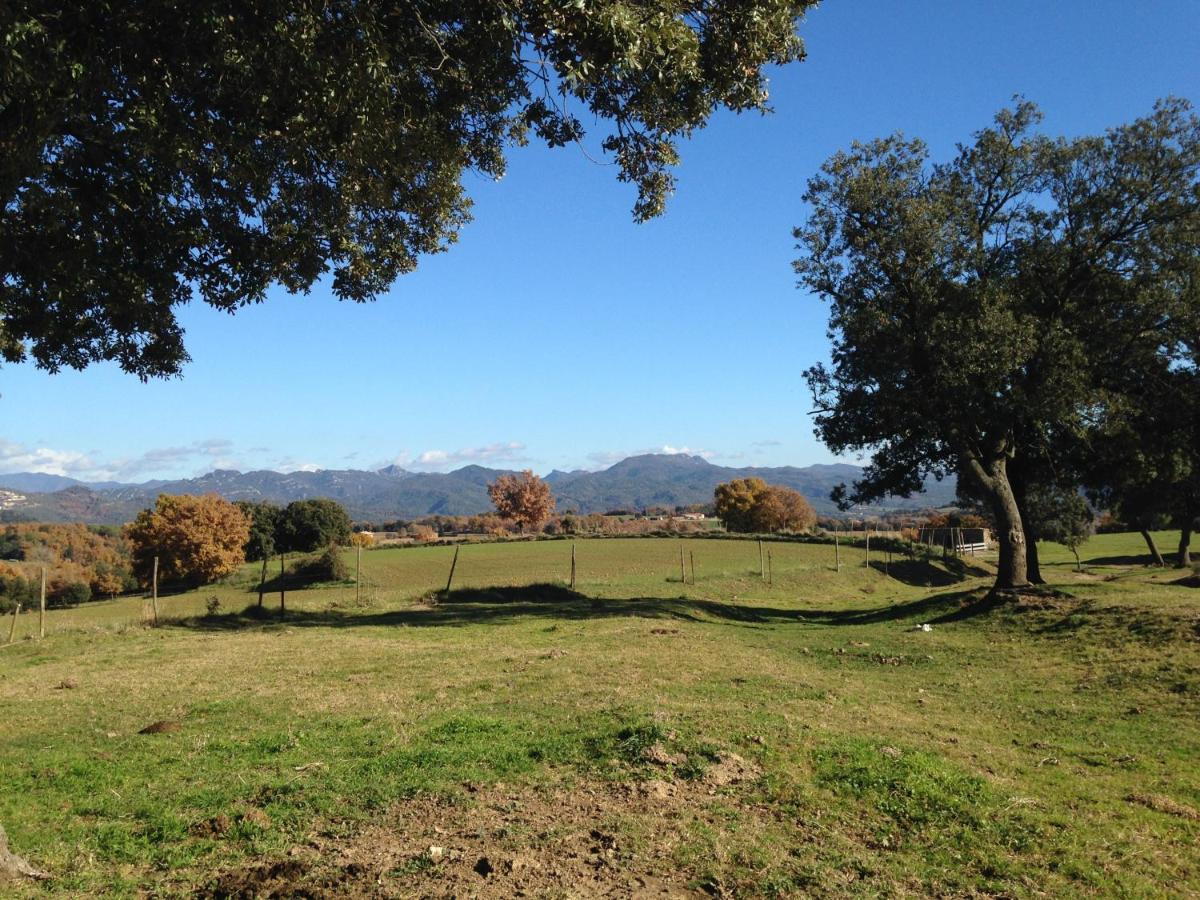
(640, 735)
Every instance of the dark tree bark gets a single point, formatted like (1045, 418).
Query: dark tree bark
(1158, 557)
(1184, 559)
(992, 477)
(1032, 562)
(1033, 565)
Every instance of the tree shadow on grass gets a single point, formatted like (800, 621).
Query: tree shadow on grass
(1120, 624)
(922, 573)
(1139, 559)
(470, 606)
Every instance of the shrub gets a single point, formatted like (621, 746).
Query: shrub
(329, 566)
(72, 593)
(421, 532)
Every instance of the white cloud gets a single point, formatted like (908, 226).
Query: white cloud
(433, 458)
(205, 455)
(680, 451)
(19, 458)
(501, 453)
(602, 459)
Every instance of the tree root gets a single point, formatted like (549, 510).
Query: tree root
(13, 866)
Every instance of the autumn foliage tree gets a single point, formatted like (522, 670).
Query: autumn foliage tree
(524, 498)
(75, 556)
(196, 539)
(782, 509)
(752, 505)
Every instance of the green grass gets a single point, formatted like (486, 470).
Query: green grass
(1015, 751)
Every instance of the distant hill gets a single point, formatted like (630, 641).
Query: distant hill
(36, 481)
(634, 483)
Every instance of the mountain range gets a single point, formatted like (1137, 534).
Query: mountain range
(390, 493)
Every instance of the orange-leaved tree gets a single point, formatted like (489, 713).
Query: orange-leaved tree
(783, 509)
(196, 539)
(750, 504)
(524, 498)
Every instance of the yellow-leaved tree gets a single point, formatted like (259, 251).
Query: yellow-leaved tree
(197, 539)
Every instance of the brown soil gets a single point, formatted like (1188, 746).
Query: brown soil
(499, 842)
(161, 727)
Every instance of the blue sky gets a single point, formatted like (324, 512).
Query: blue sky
(559, 334)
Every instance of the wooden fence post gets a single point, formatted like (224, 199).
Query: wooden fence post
(762, 569)
(572, 565)
(42, 607)
(154, 590)
(837, 552)
(770, 573)
(692, 558)
(682, 570)
(12, 629)
(453, 566)
(262, 582)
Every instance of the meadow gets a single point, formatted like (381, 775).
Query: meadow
(640, 735)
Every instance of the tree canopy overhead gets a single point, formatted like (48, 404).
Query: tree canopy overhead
(986, 311)
(156, 151)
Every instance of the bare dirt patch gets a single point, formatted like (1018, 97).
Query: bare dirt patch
(593, 839)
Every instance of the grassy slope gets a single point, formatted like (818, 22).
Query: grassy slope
(997, 753)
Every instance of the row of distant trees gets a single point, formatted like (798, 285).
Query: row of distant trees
(200, 539)
(80, 561)
(743, 505)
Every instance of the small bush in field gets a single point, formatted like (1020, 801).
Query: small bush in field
(329, 566)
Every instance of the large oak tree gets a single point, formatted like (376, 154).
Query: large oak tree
(196, 539)
(156, 151)
(987, 309)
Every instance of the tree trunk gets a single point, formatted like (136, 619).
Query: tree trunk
(992, 477)
(1033, 563)
(1184, 560)
(1158, 557)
